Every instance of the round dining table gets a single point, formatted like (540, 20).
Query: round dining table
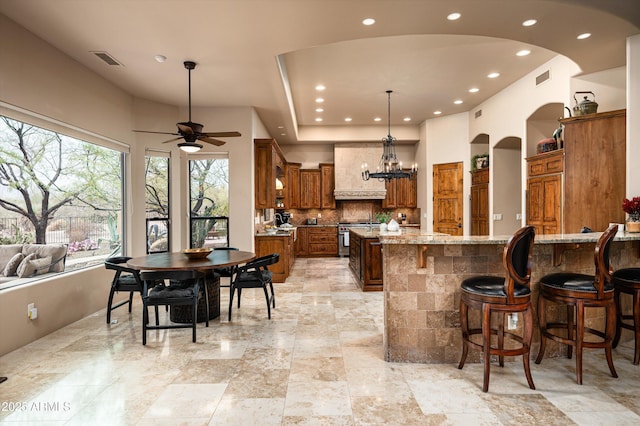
(178, 261)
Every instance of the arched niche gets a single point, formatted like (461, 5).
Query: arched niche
(541, 125)
(506, 185)
(479, 144)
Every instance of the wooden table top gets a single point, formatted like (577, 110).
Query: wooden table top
(178, 261)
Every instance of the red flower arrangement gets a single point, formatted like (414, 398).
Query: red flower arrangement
(632, 208)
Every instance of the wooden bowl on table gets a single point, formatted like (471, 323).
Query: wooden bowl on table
(197, 253)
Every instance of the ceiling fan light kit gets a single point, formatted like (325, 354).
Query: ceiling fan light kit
(192, 132)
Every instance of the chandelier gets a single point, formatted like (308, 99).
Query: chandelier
(389, 167)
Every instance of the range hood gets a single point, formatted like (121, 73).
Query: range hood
(348, 178)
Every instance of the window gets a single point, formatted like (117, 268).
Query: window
(59, 189)
(157, 180)
(209, 189)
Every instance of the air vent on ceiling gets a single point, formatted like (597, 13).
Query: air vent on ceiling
(107, 58)
(478, 113)
(542, 78)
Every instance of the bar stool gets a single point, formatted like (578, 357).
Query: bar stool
(504, 295)
(627, 280)
(577, 292)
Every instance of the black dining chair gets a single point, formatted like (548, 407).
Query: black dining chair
(255, 274)
(183, 289)
(125, 279)
(228, 271)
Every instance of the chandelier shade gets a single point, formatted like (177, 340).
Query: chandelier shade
(389, 167)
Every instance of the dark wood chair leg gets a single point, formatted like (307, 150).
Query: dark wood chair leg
(464, 325)
(616, 297)
(579, 339)
(501, 337)
(486, 342)
(609, 333)
(542, 322)
(571, 332)
(527, 336)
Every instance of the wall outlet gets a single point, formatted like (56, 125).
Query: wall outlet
(518, 216)
(497, 216)
(512, 321)
(32, 311)
(319, 215)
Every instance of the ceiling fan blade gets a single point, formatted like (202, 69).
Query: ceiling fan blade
(222, 134)
(158, 133)
(184, 128)
(212, 141)
(173, 140)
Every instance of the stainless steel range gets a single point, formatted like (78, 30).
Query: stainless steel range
(343, 236)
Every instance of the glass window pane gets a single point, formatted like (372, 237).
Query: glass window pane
(209, 188)
(157, 180)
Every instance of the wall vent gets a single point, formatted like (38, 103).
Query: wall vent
(108, 59)
(478, 113)
(542, 78)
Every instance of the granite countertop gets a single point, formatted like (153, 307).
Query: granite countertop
(279, 233)
(320, 225)
(416, 236)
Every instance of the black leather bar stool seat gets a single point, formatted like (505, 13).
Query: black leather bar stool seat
(627, 281)
(577, 292)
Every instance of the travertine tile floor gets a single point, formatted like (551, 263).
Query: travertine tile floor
(319, 361)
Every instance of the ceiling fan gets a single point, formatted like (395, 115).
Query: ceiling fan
(192, 132)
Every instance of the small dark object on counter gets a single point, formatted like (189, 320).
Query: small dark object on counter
(585, 230)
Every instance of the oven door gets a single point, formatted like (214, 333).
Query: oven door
(343, 243)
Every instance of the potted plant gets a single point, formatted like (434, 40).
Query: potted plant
(382, 217)
(479, 161)
(632, 209)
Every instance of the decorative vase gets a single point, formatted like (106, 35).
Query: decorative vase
(383, 227)
(633, 227)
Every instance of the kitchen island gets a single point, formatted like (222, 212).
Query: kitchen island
(422, 275)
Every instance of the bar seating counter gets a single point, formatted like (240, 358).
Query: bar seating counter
(422, 275)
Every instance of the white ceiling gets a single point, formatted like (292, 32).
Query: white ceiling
(270, 54)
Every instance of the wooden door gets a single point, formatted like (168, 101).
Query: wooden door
(447, 198)
(293, 185)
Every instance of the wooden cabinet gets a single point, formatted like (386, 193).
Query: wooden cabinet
(310, 181)
(480, 202)
(365, 261)
(584, 183)
(293, 185)
(594, 170)
(401, 193)
(317, 241)
(327, 199)
(283, 245)
(269, 164)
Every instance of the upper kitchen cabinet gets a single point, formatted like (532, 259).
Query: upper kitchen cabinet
(269, 165)
(401, 193)
(310, 189)
(584, 184)
(293, 185)
(327, 199)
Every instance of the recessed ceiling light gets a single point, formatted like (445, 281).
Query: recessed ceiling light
(347, 119)
(529, 22)
(406, 119)
(453, 16)
(283, 134)
(318, 119)
(280, 127)
(583, 36)
(523, 52)
(457, 101)
(437, 112)
(494, 75)
(319, 109)
(377, 119)
(474, 90)
(320, 87)
(319, 100)
(368, 21)
(160, 58)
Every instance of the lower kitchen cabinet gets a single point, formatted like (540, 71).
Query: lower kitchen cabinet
(365, 261)
(314, 241)
(281, 244)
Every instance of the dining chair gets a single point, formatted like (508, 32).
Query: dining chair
(255, 274)
(125, 279)
(227, 271)
(505, 295)
(183, 289)
(576, 292)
